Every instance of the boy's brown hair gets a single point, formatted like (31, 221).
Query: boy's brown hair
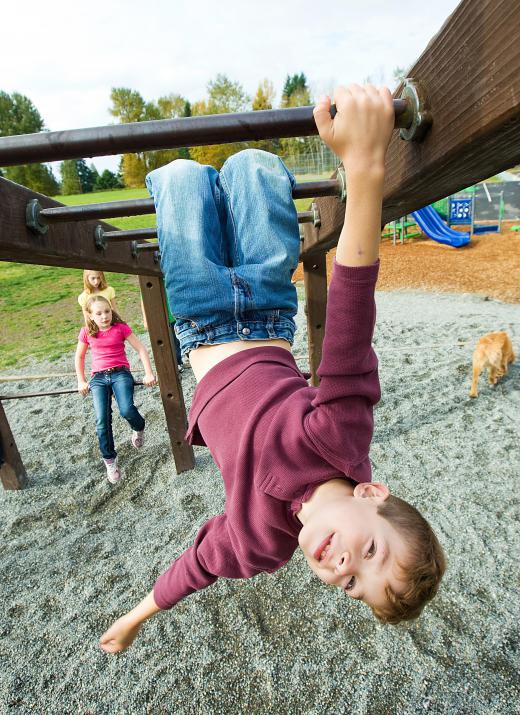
(92, 328)
(424, 568)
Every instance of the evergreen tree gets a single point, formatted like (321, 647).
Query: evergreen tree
(296, 93)
(107, 180)
(18, 115)
(86, 177)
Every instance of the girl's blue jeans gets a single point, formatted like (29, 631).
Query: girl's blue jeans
(229, 245)
(102, 386)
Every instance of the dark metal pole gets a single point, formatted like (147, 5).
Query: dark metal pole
(169, 134)
(141, 234)
(53, 393)
(137, 207)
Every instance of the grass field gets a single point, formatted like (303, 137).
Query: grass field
(40, 313)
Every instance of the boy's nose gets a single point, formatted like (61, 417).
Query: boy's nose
(344, 564)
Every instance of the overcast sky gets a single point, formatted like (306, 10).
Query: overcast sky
(66, 56)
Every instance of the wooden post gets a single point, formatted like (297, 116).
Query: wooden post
(315, 280)
(154, 301)
(12, 471)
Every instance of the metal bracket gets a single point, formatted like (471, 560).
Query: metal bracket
(133, 248)
(156, 256)
(32, 217)
(342, 181)
(99, 238)
(316, 218)
(418, 115)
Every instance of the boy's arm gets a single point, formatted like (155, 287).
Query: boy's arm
(123, 632)
(359, 135)
(341, 422)
(149, 378)
(212, 554)
(79, 365)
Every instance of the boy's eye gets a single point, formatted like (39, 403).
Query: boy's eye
(372, 550)
(351, 583)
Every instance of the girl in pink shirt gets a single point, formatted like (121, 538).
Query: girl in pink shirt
(106, 333)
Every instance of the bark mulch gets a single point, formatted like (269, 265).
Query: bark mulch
(488, 265)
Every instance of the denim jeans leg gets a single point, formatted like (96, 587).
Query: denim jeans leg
(102, 398)
(262, 228)
(123, 389)
(194, 257)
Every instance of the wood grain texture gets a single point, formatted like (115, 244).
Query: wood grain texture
(154, 301)
(69, 245)
(12, 471)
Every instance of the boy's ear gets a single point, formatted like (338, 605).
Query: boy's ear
(372, 490)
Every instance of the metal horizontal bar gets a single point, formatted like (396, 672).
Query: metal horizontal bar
(53, 393)
(167, 134)
(147, 246)
(138, 207)
(136, 234)
(142, 234)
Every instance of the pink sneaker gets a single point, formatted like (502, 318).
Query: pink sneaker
(138, 439)
(113, 471)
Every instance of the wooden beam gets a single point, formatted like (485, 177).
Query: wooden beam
(70, 245)
(471, 72)
(154, 302)
(12, 471)
(315, 281)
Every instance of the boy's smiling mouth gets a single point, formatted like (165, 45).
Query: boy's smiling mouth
(323, 549)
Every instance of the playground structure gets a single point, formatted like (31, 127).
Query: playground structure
(480, 138)
(458, 211)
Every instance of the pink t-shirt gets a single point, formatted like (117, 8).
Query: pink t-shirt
(108, 347)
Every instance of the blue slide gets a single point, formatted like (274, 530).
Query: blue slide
(434, 227)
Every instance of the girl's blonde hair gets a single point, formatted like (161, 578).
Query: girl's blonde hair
(86, 284)
(92, 328)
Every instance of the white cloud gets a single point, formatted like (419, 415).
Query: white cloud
(66, 55)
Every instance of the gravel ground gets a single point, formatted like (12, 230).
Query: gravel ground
(76, 553)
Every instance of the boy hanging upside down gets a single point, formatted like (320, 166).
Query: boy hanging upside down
(294, 458)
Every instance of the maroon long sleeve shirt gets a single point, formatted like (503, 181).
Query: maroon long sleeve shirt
(275, 439)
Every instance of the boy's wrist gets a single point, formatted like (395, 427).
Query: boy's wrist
(364, 168)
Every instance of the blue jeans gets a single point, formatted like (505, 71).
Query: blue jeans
(102, 386)
(229, 245)
(176, 344)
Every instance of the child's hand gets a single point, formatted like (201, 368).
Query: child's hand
(120, 635)
(360, 132)
(149, 379)
(83, 387)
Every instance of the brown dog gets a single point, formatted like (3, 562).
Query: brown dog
(495, 352)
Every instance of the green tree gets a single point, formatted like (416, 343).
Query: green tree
(107, 180)
(129, 106)
(86, 176)
(224, 96)
(70, 179)
(296, 93)
(18, 115)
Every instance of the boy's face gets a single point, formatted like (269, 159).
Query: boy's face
(347, 544)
